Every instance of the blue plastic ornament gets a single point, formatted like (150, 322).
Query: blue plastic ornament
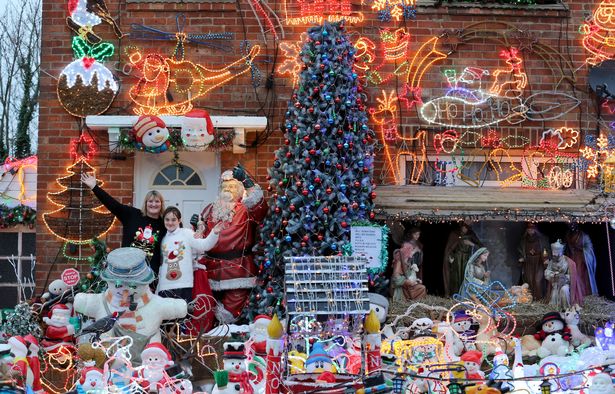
(288, 238)
(364, 127)
(325, 56)
(355, 75)
(267, 263)
(348, 102)
(327, 97)
(346, 145)
(362, 205)
(325, 33)
(328, 163)
(360, 163)
(283, 198)
(330, 120)
(314, 76)
(342, 187)
(311, 188)
(334, 246)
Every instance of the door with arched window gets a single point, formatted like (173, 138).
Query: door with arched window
(189, 187)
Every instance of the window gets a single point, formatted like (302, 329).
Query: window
(173, 175)
(17, 265)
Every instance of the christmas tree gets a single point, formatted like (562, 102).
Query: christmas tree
(91, 281)
(22, 322)
(79, 217)
(321, 178)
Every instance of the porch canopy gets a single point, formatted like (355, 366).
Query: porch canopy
(443, 204)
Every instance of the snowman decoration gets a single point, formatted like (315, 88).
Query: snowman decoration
(235, 378)
(91, 380)
(151, 134)
(86, 86)
(197, 130)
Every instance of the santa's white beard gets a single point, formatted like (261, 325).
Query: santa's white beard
(223, 209)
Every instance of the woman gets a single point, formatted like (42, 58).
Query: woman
(476, 276)
(141, 228)
(406, 284)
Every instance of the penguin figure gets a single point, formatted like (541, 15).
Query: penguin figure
(83, 15)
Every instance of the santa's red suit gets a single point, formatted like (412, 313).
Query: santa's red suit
(230, 264)
(34, 363)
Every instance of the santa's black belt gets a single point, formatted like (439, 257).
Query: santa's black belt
(227, 255)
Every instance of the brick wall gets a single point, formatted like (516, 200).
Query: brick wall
(553, 33)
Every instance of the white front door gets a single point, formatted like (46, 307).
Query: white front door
(189, 187)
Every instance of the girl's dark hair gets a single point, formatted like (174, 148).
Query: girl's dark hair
(175, 211)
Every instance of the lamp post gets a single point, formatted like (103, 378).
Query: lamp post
(545, 387)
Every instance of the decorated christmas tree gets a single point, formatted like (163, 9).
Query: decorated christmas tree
(91, 282)
(80, 216)
(321, 179)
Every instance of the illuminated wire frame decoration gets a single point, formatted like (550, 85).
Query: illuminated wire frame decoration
(84, 15)
(292, 63)
(211, 40)
(469, 104)
(598, 155)
(547, 165)
(397, 10)
(599, 34)
(379, 63)
(304, 12)
(169, 87)
(86, 86)
(80, 216)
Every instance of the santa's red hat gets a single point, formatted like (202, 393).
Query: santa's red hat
(326, 377)
(89, 370)
(19, 343)
(32, 342)
(473, 356)
(157, 349)
(201, 113)
(144, 124)
(60, 309)
(259, 317)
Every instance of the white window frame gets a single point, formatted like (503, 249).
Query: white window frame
(19, 259)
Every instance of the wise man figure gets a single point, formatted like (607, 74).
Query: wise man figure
(533, 255)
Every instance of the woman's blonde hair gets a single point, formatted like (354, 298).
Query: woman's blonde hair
(153, 194)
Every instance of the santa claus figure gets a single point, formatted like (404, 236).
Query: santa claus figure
(229, 267)
(34, 363)
(155, 360)
(197, 130)
(258, 331)
(151, 134)
(59, 330)
(91, 380)
(19, 368)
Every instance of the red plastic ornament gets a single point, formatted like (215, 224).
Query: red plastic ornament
(306, 138)
(304, 192)
(308, 160)
(306, 238)
(357, 184)
(316, 90)
(372, 195)
(297, 104)
(344, 224)
(289, 155)
(328, 191)
(325, 210)
(344, 208)
(284, 222)
(311, 110)
(320, 237)
(292, 207)
(312, 152)
(317, 126)
(270, 290)
(317, 180)
(372, 215)
(355, 205)
(277, 210)
(298, 183)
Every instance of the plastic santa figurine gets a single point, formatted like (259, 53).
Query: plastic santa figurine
(229, 267)
(472, 360)
(20, 369)
(197, 130)
(59, 330)
(35, 363)
(91, 380)
(155, 360)
(151, 134)
(258, 331)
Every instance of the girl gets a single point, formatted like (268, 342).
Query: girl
(175, 278)
(141, 228)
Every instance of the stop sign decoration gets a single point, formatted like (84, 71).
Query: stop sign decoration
(70, 276)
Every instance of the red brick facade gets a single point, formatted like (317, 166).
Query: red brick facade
(550, 33)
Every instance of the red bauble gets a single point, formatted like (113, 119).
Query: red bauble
(325, 210)
(317, 180)
(328, 191)
(303, 244)
(306, 238)
(289, 155)
(372, 215)
(298, 183)
(339, 166)
(284, 222)
(308, 160)
(297, 104)
(316, 90)
(312, 152)
(337, 100)
(340, 146)
(372, 195)
(320, 237)
(305, 192)
(292, 207)
(317, 126)
(272, 235)
(280, 183)
(357, 184)
(286, 142)
(311, 110)
(306, 138)
(294, 128)
(277, 209)
(344, 208)
(270, 290)
(344, 224)
(365, 170)
(355, 205)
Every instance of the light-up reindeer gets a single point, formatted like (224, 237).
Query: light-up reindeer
(511, 81)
